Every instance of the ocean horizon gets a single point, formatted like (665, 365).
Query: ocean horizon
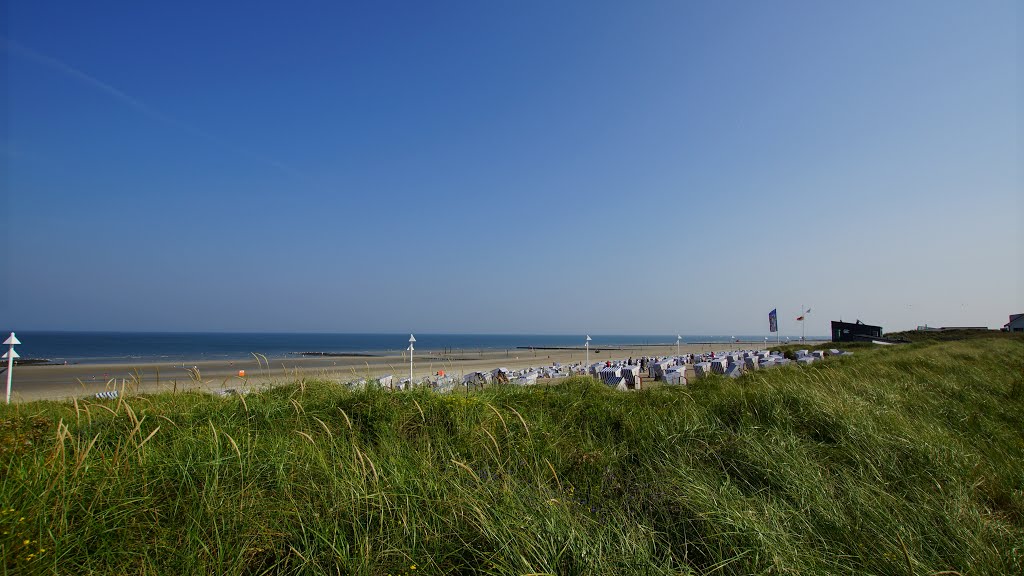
(114, 347)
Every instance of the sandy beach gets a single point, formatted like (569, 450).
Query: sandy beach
(80, 380)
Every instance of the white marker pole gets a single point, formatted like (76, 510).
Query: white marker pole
(587, 346)
(679, 339)
(412, 339)
(10, 355)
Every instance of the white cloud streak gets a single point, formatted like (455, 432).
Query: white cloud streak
(139, 106)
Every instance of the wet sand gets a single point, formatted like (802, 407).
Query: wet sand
(79, 380)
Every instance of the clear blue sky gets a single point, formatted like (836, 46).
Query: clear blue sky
(534, 167)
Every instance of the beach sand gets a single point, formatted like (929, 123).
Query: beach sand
(80, 380)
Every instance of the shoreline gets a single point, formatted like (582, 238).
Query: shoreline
(439, 353)
(92, 347)
(61, 382)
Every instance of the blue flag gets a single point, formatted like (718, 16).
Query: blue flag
(773, 322)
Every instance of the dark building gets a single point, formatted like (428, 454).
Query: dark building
(854, 332)
(1016, 323)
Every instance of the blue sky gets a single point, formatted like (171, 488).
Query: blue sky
(527, 167)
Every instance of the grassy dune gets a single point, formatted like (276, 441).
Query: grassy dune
(897, 460)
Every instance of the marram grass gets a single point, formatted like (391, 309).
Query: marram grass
(902, 460)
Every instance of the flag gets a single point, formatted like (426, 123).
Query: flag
(773, 321)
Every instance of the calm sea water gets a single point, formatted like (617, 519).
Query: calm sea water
(94, 347)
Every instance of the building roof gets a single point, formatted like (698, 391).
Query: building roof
(1013, 318)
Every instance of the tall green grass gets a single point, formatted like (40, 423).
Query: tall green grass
(950, 335)
(902, 460)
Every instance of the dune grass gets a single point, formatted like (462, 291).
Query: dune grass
(925, 336)
(899, 460)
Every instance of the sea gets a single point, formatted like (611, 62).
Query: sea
(138, 347)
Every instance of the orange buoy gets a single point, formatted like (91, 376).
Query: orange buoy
(241, 373)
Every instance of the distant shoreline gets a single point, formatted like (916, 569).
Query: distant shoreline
(338, 354)
(58, 381)
(438, 354)
(135, 348)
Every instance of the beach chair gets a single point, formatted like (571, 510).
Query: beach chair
(528, 379)
(702, 369)
(611, 375)
(718, 365)
(675, 376)
(632, 375)
(445, 385)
